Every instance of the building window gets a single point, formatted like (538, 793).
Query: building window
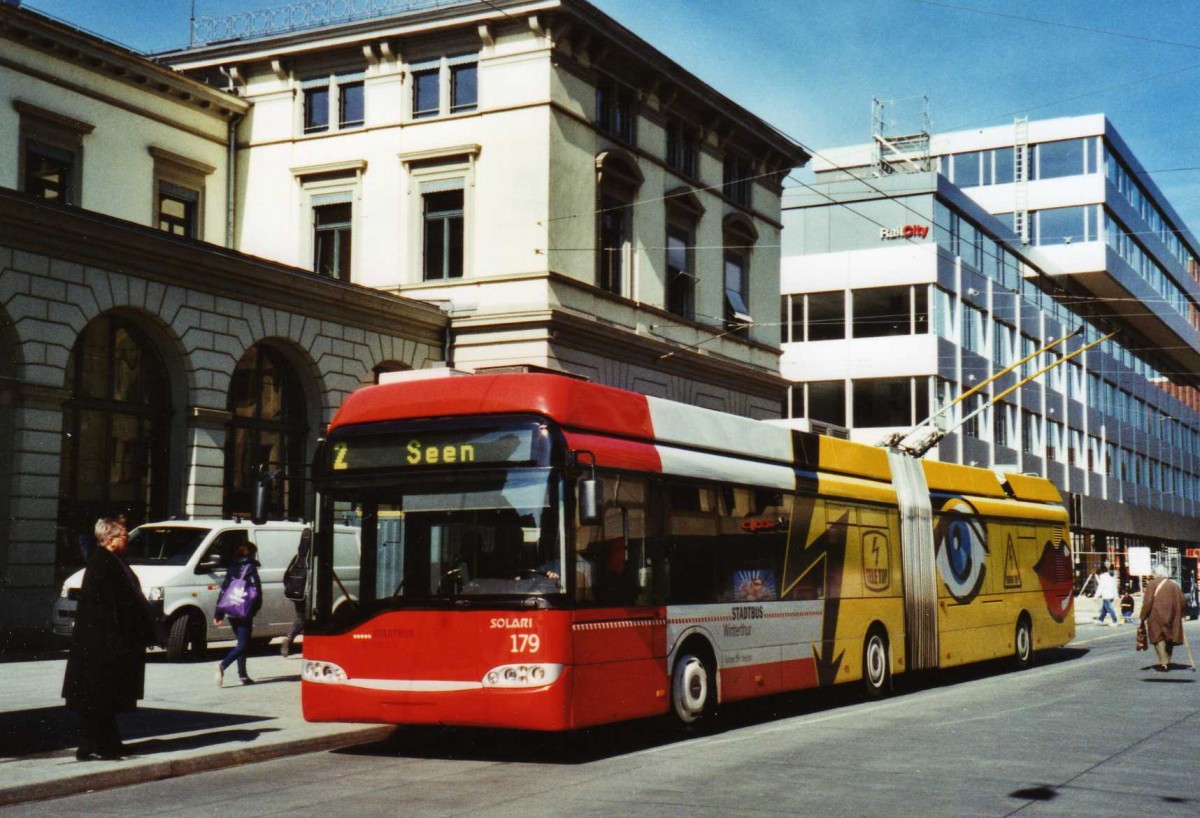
(268, 430)
(51, 154)
(115, 431)
(882, 311)
(177, 208)
(316, 109)
(683, 215)
(458, 74)
(974, 415)
(1031, 434)
(443, 244)
(615, 227)
(739, 238)
(179, 193)
(1058, 159)
(618, 179)
(966, 169)
(327, 95)
(50, 173)
(464, 87)
(826, 316)
(682, 147)
(615, 110)
(827, 402)
(888, 402)
(328, 193)
(681, 277)
(737, 178)
(332, 239)
(351, 105)
(1003, 420)
(737, 286)
(426, 93)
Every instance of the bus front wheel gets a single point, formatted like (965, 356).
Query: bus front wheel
(877, 666)
(691, 688)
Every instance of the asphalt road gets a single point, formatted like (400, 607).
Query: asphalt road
(1090, 730)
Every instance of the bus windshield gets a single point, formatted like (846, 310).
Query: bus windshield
(490, 535)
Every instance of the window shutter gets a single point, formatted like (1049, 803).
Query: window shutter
(341, 197)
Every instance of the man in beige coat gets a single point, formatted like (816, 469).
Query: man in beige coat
(1162, 614)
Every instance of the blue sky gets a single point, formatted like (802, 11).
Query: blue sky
(811, 67)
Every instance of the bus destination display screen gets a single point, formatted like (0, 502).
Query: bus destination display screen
(428, 449)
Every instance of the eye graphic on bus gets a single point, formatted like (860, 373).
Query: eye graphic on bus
(961, 549)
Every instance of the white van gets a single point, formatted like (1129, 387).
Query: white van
(181, 565)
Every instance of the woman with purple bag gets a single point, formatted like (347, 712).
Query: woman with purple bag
(240, 599)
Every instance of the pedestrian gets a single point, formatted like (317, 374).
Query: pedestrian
(295, 588)
(1127, 607)
(1106, 590)
(106, 666)
(1162, 614)
(240, 600)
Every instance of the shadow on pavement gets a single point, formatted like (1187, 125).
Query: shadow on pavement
(595, 743)
(50, 729)
(170, 745)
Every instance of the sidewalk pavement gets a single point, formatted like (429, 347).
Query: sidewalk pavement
(184, 725)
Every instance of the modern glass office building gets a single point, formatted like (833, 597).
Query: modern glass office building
(911, 276)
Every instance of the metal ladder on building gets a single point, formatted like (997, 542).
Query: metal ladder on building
(1021, 178)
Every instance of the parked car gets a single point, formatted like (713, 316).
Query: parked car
(181, 565)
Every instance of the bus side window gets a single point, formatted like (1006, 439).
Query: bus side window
(612, 559)
(693, 542)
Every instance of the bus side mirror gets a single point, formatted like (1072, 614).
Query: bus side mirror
(262, 497)
(262, 501)
(591, 492)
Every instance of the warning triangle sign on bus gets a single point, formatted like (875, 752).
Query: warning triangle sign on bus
(1012, 574)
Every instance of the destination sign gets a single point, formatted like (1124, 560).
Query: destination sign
(431, 449)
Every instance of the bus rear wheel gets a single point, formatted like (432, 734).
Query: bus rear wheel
(877, 665)
(1023, 643)
(691, 688)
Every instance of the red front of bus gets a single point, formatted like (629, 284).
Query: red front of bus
(535, 670)
(479, 668)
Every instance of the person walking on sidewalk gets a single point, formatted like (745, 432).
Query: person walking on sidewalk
(240, 600)
(295, 588)
(106, 667)
(1106, 591)
(1127, 607)
(1162, 614)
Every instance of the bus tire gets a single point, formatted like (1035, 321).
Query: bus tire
(877, 663)
(1023, 642)
(692, 688)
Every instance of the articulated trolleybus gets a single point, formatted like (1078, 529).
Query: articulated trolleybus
(545, 553)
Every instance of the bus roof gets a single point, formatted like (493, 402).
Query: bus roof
(581, 406)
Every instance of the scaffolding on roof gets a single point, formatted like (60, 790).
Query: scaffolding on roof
(897, 150)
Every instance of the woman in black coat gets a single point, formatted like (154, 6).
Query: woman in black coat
(106, 668)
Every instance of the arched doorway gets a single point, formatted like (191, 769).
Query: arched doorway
(115, 433)
(268, 428)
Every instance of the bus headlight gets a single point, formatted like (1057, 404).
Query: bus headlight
(522, 675)
(322, 672)
(156, 594)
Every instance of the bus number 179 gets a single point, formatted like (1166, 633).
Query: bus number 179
(525, 642)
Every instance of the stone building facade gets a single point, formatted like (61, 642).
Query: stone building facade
(144, 371)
